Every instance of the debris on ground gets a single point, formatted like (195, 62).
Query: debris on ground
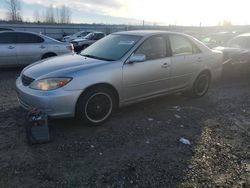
(129, 150)
(185, 141)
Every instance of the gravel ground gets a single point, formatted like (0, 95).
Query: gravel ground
(138, 147)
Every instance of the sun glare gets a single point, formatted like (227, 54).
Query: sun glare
(180, 12)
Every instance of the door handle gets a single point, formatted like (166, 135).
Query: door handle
(11, 47)
(165, 65)
(42, 47)
(199, 60)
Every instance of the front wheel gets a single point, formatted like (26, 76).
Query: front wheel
(201, 85)
(95, 106)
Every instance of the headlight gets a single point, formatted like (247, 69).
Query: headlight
(49, 83)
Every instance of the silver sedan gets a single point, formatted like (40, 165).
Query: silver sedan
(22, 48)
(118, 70)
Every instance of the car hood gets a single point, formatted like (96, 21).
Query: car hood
(60, 66)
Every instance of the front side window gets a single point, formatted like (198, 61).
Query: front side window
(182, 46)
(153, 48)
(89, 36)
(24, 38)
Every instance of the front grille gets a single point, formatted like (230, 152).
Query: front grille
(26, 80)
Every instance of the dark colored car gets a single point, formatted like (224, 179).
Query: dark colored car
(82, 43)
(237, 54)
(217, 39)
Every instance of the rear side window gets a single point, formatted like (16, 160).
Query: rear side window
(26, 38)
(182, 46)
(7, 38)
(153, 48)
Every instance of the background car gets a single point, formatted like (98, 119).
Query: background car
(82, 43)
(237, 55)
(22, 48)
(217, 39)
(118, 70)
(79, 34)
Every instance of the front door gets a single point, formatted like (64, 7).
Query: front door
(144, 79)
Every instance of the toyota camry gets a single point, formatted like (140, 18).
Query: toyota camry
(120, 69)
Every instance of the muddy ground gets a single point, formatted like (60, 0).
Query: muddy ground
(138, 147)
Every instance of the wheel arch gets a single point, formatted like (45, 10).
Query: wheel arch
(48, 54)
(101, 85)
(206, 71)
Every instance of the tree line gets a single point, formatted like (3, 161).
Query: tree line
(49, 15)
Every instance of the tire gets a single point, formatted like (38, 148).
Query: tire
(96, 105)
(201, 85)
(45, 56)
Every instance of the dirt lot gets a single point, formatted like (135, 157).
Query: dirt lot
(138, 147)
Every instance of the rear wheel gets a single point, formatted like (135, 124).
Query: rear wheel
(201, 85)
(96, 105)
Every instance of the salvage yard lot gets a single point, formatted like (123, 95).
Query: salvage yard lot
(138, 147)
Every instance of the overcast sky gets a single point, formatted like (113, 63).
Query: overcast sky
(174, 12)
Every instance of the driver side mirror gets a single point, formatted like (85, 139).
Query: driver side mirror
(136, 58)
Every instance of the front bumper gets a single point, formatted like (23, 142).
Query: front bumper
(56, 103)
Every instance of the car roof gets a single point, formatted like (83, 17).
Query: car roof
(146, 32)
(6, 29)
(97, 32)
(20, 32)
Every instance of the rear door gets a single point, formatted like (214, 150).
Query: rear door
(30, 47)
(8, 54)
(152, 76)
(186, 61)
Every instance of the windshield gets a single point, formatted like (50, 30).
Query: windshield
(78, 33)
(89, 36)
(112, 47)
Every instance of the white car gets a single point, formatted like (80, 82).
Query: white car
(22, 48)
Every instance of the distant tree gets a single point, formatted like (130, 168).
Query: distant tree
(65, 15)
(50, 15)
(37, 17)
(227, 23)
(13, 10)
(58, 15)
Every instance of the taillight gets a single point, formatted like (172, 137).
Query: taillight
(71, 47)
